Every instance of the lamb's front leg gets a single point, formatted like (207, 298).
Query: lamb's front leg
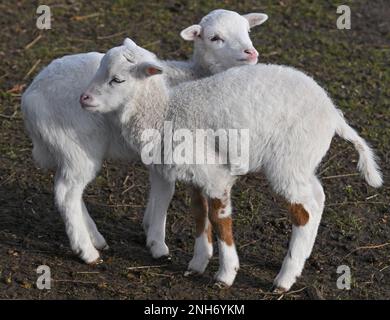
(154, 221)
(220, 217)
(203, 250)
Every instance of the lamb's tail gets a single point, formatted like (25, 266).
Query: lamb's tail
(367, 161)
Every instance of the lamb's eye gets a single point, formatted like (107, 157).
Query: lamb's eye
(115, 80)
(216, 38)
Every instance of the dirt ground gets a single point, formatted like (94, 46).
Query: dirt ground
(353, 65)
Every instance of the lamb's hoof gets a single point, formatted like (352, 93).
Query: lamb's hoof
(220, 285)
(165, 259)
(278, 290)
(96, 262)
(190, 273)
(226, 277)
(158, 250)
(89, 255)
(197, 265)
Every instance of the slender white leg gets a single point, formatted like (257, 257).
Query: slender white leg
(301, 242)
(320, 198)
(68, 196)
(160, 196)
(228, 263)
(203, 250)
(97, 239)
(220, 217)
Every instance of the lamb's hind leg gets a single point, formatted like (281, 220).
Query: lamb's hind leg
(220, 216)
(68, 195)
(97, 239)
(306, 214)
(320, 198)
(154, 221)
(203, 243)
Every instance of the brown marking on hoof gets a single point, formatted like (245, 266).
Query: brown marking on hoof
(299, 216)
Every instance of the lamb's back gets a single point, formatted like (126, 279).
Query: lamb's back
(246, 96)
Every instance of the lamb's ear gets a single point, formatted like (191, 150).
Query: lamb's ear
(148, 69)
(191, 33)
(129, 43)
(255, 19)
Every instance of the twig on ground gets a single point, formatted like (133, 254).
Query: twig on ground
(128, 189)
(151, 43)
(352, 202)
(146, 267)
(74, 281)
(111, 35)
(283, 294)
(374, 246)
(161, 275)
(71, 39)
(248, 244)
(29, 45)
(384, 268)
(289, 293)
(114, 205)
(371, 197)
(32, 69)
(88, 16)
(270, 54)
(125, 181)
(17, 89)
(4, 116)
(295, 291)
(340, 176)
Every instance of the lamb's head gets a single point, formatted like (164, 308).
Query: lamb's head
(222, 41)
(122, 74)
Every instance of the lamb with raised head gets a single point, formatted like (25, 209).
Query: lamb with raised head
(75, 142)
(291, 122)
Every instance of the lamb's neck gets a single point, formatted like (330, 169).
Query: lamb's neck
(182, 71)
(146, 111)
(204, 68)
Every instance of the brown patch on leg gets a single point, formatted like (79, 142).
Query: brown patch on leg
(299, 215)
(200, 210)
(223, 226)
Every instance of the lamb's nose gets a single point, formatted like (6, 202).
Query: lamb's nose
(85, 98)
(251, 52)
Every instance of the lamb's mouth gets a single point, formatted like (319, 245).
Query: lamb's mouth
(248, 59)
(88, 106)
